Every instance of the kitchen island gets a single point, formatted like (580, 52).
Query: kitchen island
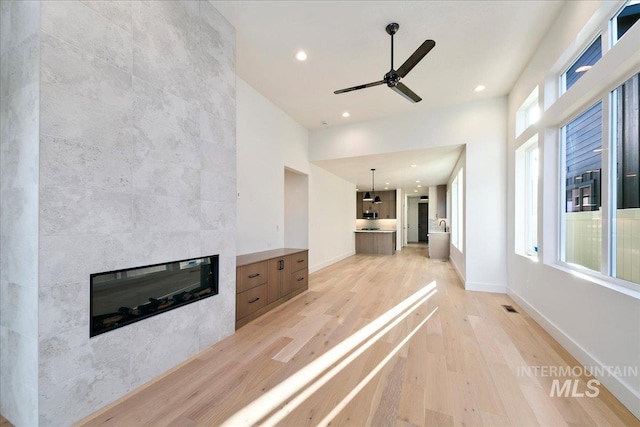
(381, 242)
(439, 244)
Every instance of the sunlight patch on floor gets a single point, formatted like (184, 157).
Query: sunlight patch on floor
(349, 397)
(311, 378)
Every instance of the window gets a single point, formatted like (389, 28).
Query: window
(527, 167)
(625, 145)
(583, 64)
(457, 210)
(582, 160)
(528, 113)
(628, 15)
(531, 194)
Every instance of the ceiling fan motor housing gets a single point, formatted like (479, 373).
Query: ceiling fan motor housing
(392, 28)
(392, 78)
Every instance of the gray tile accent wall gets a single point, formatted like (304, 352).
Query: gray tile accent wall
(133, 164)
(19, 116)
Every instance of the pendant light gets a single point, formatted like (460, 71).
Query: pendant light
(371, 197)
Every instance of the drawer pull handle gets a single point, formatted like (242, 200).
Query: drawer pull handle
(300, 260)
(254, 275)
(301, 279)
(254, 300)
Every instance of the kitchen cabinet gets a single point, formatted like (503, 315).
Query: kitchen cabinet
(441, 209)
(386, 209)
(266, 279)
(278, 279)
(388, 205)
(359, 203)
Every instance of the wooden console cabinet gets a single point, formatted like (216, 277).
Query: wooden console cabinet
(266, 279)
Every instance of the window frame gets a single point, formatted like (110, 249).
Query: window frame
(562, 84)
(604, 193)
(613, 187)
(523, 116)
(524, 205)
(613, 24)
(606, 276)
(531, 200)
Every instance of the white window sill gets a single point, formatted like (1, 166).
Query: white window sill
(618, 285)
(530, 257)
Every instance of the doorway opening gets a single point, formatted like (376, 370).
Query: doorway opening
(423, 222)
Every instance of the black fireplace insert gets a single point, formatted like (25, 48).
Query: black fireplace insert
(121, 297)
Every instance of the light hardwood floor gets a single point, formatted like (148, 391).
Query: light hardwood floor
(374, 342)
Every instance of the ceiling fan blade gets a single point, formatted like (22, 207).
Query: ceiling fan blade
(416, 57)
(406, 92)
(349, 89)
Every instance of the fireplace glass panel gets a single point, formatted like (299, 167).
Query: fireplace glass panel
(121, 297)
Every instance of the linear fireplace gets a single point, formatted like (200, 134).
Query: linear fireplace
(121, 297)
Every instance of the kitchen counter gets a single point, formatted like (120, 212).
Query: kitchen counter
(381, 242)
(247, 259)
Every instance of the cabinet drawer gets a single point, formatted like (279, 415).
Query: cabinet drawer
(250, 276)
(299, 279)
(249, 301)
(299, 261)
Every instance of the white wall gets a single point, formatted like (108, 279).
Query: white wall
(597, 324)
(482, 127)
(296, 210)
(331, 218)
(269, 141)
(400, 220)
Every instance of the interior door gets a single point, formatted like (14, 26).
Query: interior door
(423, 221)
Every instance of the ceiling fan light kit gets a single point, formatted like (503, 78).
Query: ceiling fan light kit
(392, 78)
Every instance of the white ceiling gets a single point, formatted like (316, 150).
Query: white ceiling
(433, 167)
(477, 42)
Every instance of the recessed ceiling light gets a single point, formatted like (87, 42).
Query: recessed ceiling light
(386, 183)
(386, 188)
(413, 166)
(418, 180)
(346, 114)
(419, 186)
(479, 88)
(584, 68)
(301, 55)
(415, 191)
(357, 189)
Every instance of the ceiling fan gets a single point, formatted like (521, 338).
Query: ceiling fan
(392, 78)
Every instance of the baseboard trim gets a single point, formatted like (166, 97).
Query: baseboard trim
(485, 287)
(455, 268)
(627, 396)
(324, 264)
